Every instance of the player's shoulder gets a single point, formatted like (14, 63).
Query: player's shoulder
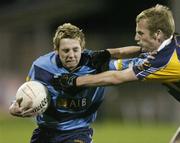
(86, 57)
(45, 61)
(165, 55)
(44, 58)
(87, 52)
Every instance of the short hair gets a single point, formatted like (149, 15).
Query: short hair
(158, 17)
(67, 30)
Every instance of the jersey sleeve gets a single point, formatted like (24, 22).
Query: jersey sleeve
(122, 64)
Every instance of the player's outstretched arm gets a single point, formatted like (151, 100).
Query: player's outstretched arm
(100, 58)
(107, 78)
(102, 79)
(125, 52)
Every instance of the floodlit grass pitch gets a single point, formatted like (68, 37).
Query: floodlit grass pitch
(19, 130)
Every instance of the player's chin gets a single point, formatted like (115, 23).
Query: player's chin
(144, 49)
(71, 66)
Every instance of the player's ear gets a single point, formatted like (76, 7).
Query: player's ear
(158, 34)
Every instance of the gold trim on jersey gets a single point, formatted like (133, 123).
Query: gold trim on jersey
(28, 78)
(118, 64)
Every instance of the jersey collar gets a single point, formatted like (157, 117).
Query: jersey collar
(165, 43)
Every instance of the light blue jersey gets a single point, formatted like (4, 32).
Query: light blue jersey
(122, 64)
(73, 109)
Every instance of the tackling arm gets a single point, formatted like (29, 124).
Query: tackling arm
(125, 52)
(107, 78)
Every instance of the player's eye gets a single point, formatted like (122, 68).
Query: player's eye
(140, 33)
(65, 50)
(76, 49)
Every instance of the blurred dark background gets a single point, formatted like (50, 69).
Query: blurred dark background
(28, 26)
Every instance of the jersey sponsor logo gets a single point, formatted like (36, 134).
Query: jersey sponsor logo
(70, 103)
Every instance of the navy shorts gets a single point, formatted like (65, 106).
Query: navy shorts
(45, 135)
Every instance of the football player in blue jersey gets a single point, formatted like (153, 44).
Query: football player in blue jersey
(155, 31)
(71, 111)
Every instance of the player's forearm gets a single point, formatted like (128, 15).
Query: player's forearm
(102, 79)
(125, 52)
(107, 78)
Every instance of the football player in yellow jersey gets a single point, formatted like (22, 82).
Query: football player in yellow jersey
(155, 30)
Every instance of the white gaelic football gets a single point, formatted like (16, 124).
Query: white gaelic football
(37, 93)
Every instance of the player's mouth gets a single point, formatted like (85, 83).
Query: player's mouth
(71, 61)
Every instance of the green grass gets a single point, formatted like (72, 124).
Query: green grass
(115, 132)
(17, 130)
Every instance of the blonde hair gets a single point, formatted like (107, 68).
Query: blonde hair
(158, 17)
(67, 30)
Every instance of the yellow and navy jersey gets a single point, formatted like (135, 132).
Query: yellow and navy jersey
(166, 65)
(165, 68)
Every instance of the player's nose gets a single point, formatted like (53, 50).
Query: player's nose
(71, 53)
(136, 37)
